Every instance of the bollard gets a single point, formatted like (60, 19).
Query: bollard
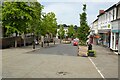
(54, 42)
(33, 44)
(78, 51)
(42, 44)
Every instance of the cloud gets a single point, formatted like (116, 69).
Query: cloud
(67, 13)
(78, 0)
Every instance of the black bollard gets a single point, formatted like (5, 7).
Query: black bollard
(42, 44)
(33, 44)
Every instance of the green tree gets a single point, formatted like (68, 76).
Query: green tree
(15, 17)
(21, 17)
(71, 31)
(35, 24)
(83, 30)
(49, 23)
(61, 32)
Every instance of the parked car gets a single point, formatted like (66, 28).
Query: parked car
(75, 43)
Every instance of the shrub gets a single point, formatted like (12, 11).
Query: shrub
(91, 53)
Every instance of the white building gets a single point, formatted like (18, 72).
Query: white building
(104, 25)
(94, 31)
(108, 27)
(66, 31)
(115, 35)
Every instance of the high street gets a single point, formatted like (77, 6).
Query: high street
(58, 61)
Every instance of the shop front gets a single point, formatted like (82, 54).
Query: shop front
(104, 37)
(115, 36)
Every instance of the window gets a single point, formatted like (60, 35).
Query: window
(118, 13)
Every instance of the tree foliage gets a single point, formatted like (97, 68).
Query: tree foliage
(27, 17)
(61, 32)
(35, 23)
(16, 16)
(71, 31)
(49, 23)
(83, 30)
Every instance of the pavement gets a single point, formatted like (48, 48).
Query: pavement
(57, 61)
(106, 61)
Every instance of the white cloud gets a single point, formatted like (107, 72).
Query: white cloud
(78, 0)
(67, 13)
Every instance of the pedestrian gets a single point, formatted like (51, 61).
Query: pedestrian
(89, 46)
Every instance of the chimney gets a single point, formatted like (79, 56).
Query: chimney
(101, 11)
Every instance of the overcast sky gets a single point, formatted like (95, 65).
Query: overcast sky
(68, 12)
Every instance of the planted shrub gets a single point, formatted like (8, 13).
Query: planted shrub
(91, 53)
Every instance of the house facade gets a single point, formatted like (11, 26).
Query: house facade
(108, 27)
(94, 31)
(115, 35)
(66, 31)
(104, 25)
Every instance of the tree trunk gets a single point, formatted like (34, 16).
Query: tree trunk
(24, 39)
(60, 39)
(15, 42)
(42, 41)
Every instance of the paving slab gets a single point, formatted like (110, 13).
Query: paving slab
(21, 64)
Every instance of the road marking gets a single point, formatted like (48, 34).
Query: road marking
(97, 68)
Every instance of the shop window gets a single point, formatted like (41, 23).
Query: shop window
(117, 39)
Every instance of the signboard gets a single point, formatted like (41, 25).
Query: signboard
(116, 26)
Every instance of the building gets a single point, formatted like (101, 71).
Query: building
(115, 35)
(107, 28)
(94, 32)
(65, 29)
(104, 25)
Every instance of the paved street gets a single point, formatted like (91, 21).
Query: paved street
(106, 61)
(59, 61)
(58, 49)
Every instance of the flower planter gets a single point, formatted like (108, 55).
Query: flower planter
(91, 53)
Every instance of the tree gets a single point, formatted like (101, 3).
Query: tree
(83, 30)
(35, 23)
(49, 23)
(61, 32)
(16, 17)
(71, 31)
(21, 17)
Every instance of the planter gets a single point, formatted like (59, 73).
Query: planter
(91, 53)
(66, 42)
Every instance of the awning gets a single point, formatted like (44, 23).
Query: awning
(97, 36)
(104, 31)
(116, 31)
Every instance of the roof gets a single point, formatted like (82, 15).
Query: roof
(118, 3)
(116, 20)
(108, 9)
(95, 20)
